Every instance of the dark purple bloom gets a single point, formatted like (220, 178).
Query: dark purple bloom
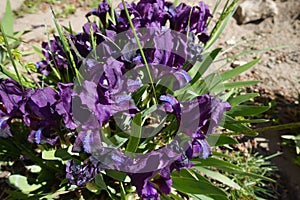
(82, 43)
(54, 56)
(171, 106)
(152, 13)
(80, 174)
(88, 138)
(182, 162)
(64, 104)
(11, 96)
(202, 114)
(149, 192)
(11, 104)
(144, 187)
(164, 181)
(4, 127)
(41, 116)
(186, 18)
(43, 136)
(199, 148)
(101, 12)
(39, 108)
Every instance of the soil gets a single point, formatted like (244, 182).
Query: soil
(278, 70)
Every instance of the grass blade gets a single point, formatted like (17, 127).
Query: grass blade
(8, 19)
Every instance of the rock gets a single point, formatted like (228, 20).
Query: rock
(237, 63)
(255, 10)
(231, 42)
(270, 65)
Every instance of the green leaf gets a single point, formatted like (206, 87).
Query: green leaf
(218, 176)
(193, 186)
(217, 163)
(39, 51)
(221, 24)
(100, 182)
(66, 47)
(238, 70)
(175, 196)
(13, 194)
(8, 19)
(245, 110)
(241, 98)
(240, 84)
(208, 197)
(63, 154)
(234, 125)
(9, 51)
(21, 183)
(252, 121)
(228, 167)
(219, 140)
(200, 67)
(92, 187)
(50, 155)
(189, 173)
(136, 131)
(201, 197)
(120, 176)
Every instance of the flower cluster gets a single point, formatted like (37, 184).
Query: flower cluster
(44, 110)
(146, 14)
(107, 89)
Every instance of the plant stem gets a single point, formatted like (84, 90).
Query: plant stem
(141, 49)
(10, 55)
(272, 128)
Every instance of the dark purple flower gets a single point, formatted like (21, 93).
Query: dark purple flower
(88, 138)
(171, 105)
(39, 108)
(64, 104)
(11, 104)
(78, 174)
(152, 13)
(182, 162)
(186, 18)
(164, 181)
(149, 192)
(101, 12)
(202, 114)
(4, 127)
(199, 148)
(43, 136)
(54, 56)
(82, 43)
(144, 187)
(11, 96)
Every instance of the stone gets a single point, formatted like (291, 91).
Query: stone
(255, 10)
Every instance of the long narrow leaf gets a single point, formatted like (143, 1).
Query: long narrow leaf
(136, 129)
(241, 98)
(219, 177)
(196, 187)
(245, 110)
(201, 67)
(236, 71)
(8, 19)
(240, 84)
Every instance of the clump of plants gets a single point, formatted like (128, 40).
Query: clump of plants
(128, 108)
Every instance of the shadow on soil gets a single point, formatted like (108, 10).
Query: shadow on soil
(288, 179)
